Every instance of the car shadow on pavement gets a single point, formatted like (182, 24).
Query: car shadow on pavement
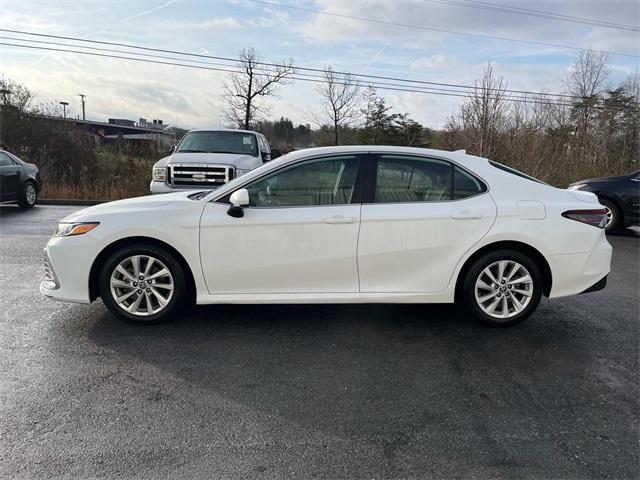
(336, 367)
(390, 385)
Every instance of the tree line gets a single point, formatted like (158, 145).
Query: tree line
(594, 134)
(593, 129)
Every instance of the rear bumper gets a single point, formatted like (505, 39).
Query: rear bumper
(576, 273)
(599, 285)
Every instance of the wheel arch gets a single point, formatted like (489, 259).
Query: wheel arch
(32, 181)
(617, 201)
(104, 254)
(521, 247)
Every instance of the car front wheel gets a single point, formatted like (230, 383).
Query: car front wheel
(142, 284)
(613, 215)
(29, 196)
(503, 288)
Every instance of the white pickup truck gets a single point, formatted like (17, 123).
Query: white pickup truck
(207, 159)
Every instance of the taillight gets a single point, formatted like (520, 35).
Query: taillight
(596, 218)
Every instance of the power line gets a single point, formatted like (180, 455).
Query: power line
(441, 30)
(378, 84)
(568, 17)
(271, 64)
(498, 8)
(399, 88)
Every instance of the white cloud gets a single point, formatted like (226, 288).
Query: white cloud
(228, 23)
(435, 61)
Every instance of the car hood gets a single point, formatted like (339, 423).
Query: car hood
(129, 204)
(600, 179)
(235, 159)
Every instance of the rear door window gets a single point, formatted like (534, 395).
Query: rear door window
(408, 179)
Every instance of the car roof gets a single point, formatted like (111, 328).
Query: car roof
(459, 156)
(224, 130)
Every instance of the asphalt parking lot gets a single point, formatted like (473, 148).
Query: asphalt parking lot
(314, 391)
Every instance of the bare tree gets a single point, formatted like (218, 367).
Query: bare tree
(341, 96)
(587, 80)
(485, 112)
(243, 89)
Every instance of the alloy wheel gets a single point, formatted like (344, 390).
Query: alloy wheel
(30, 194)
(504, 289)
(142, 285)
(609, 216)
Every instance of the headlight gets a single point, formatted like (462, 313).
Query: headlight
(70, 229)
(159, 174)
(240, 172)
(577, 186)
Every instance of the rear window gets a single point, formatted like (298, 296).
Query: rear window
(466, 185)
(515, 172)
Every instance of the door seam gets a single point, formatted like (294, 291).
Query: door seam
(358, 249)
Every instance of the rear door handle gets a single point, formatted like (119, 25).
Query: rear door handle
(466, 215)
(340, 219)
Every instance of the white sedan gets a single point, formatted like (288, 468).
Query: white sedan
(366, 224)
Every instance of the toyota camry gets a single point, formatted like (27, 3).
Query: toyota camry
(339, 225)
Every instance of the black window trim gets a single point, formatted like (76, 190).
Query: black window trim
(369, 198)
(361, 157)
(513, 171)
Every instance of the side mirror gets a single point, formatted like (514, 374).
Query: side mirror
(275, 153)
(238, 199)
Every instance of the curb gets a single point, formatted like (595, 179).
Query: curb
(72, 202)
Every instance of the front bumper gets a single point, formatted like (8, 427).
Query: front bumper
(162, 187)
(68, 263)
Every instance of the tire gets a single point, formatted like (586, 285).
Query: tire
(521, 298)
(28, 195)
(613, 215)
(135, 293)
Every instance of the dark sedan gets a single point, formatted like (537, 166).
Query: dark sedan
(19, 181)
(619, 195)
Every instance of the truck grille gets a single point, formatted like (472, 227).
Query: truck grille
(209, 176)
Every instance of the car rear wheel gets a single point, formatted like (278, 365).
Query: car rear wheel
(142, 284)
(29, 195)
(503, 288)
(613, 215)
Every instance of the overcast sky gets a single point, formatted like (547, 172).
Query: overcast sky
(192, 98)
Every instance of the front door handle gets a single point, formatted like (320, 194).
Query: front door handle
(466, 215)
(340, 219)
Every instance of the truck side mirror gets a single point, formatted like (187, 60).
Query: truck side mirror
(239, 199)
(275, 153)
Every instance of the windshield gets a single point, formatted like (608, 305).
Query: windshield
(219, 142)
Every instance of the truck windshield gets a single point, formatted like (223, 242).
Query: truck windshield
(219, 142)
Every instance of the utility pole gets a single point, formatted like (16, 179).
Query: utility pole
(82, 97)
(64, 109)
